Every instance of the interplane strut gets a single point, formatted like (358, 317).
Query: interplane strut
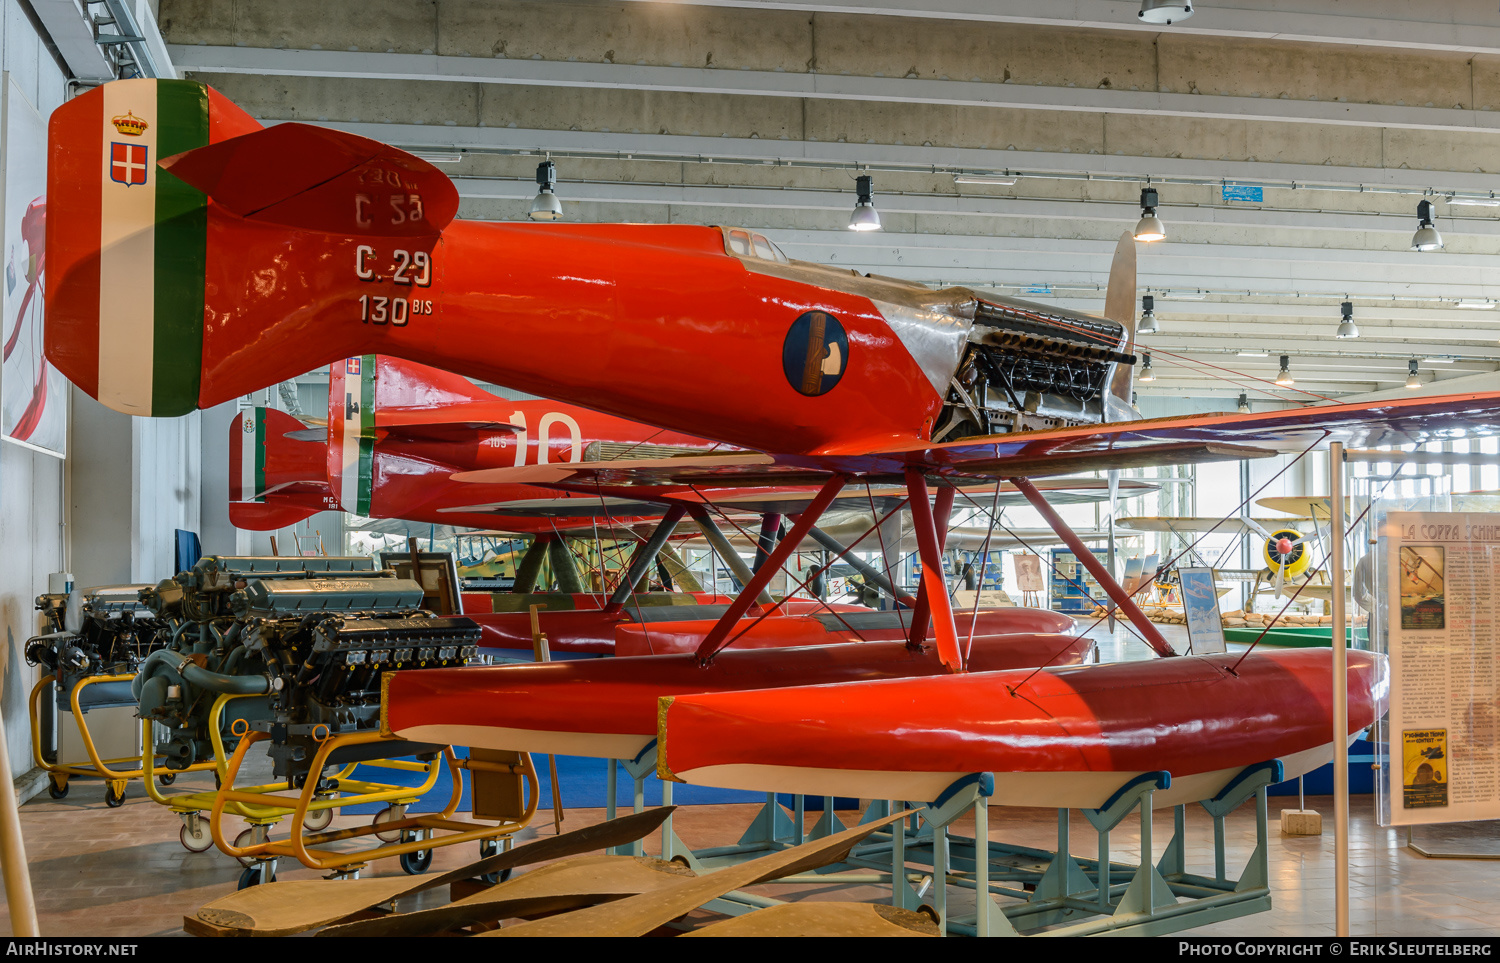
(934, 589)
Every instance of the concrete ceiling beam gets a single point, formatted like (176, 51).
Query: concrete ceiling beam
(760, 83)
(1467, 25)
(1489, 381)
(1315, 276)
(1435, 324)
(874, 245)
(1125, 214)
(698, 149)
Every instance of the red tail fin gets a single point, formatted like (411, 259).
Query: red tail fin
(169, 206)
(275, 481)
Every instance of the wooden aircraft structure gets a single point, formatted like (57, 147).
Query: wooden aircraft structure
(294, 246)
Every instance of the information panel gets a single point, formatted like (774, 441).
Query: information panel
(1440, 573)
(1200, 606)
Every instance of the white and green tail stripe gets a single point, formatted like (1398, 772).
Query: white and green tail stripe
(253, 456)
(351, 421)
(152, 244)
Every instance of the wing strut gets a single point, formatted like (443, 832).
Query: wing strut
(922, 611)
(933, 596)
(770, 524)
(718, 636)
(870, 573)
(1148, 630)
(530, 565)
(726, 553)
(645, 554)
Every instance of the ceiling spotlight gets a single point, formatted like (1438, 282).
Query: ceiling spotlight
(1147, 373)
(1149, 227)
(1244, 404)
(545, 206)
(1284, 376)
(1412, 381)
(1148, 323)
(1164, 11)
(1427, 238)
(1346, 326)
(865, 217)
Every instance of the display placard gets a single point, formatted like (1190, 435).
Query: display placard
(1441, 579)
(1200, 607)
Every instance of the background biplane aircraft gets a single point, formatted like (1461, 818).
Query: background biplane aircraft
(251, 254)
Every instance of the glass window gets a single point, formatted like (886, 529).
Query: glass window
(739, 243)
(763, 248)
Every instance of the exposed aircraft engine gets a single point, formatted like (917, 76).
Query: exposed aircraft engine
(1027, 367)
(304, 641)
(114, 634)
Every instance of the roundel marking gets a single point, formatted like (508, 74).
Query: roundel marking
(815, 353)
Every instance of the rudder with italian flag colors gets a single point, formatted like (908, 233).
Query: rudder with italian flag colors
(195, 255)
(127, 241)
(277, 470)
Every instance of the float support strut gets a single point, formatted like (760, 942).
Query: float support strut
(1103, 576)
(934, 588)
(718, 636)
(726, 553)
(922, 611)
(645, 554)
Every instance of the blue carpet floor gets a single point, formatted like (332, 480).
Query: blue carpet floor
(581, 782)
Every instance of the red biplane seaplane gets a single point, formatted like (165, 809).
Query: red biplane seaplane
(203, 256)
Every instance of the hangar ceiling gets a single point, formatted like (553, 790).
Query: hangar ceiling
(763, 114)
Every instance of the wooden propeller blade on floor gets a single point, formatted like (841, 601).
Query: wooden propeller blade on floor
(639, 915)
(555, 888)
(824, 918)
(295, 906)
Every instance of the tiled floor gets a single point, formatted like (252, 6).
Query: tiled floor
(122, 872)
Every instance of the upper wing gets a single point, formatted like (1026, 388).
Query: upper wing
(1222, 526)
(1309, 506)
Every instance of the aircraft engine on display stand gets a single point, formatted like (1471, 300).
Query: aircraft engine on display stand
(304, 641)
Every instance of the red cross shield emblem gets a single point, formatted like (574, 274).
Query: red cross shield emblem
(127, 163)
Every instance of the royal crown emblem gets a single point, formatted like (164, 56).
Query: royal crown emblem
(129, 124)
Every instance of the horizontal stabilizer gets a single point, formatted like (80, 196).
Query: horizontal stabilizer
(320, 179)
(307, 434)
(268, 516)
(457, 422)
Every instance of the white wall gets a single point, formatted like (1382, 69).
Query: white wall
(127, 483)
(31, 484)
